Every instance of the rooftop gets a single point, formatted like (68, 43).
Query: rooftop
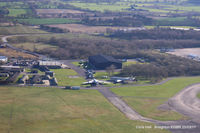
(103, 58)
(3, 57)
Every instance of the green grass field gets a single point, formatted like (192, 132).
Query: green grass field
(51, 110)
(198, 95)
(39, 21)
(67, 77)
(76, 63)
(128, 63)
(35, 38)
(146, 99)
(100, 7)
(19, 30)
(16, 12)
(34, 46)
(13, 5)
(100, 75)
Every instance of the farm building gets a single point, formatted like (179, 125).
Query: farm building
(103, 62)
(3, 59)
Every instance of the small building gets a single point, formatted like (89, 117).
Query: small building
(51, 64)
(102, 62)
(3, 59)
(11, 68)
(3, 45)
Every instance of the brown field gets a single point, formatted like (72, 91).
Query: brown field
(6, 24)
(12, 53)
(84, 29)
(58, 11)
(186, 51)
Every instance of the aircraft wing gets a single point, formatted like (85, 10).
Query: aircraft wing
(86, 83)
(118, 80)
(103, 82)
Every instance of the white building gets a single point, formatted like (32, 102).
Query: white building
(52, 64)
(3, 59)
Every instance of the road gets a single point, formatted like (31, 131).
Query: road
(193, 126)
(40, 56)
(79, 70)
(185, 102)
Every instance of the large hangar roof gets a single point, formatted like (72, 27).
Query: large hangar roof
(103, 59)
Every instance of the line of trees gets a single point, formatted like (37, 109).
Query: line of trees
(53, 29)
(131, 21)
(157, 34)
(162, 65)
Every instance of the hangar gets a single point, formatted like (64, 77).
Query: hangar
(102, 62)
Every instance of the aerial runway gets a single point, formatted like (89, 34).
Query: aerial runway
(185, 102)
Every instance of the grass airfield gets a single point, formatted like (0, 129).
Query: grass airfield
(146, 99)
(51, 110)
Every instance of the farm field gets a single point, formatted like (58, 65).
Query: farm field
(36, 38)
(151, 6)
(12, 53)
(100, 7)
(67, 77)
(39, 21)
(146, 99)
(79, 28)
(19, 30)
(186, 51)
(58, 11)
(13, 5)
(16, 12)
(185, 8)
(34, 46)
(52, 110)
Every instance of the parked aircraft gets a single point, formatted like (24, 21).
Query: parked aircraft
(95, 82)
(4, 75)
(89, 74)
(121, 79)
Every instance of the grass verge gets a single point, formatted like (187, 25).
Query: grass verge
(67, 77)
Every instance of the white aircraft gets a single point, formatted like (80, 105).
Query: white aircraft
(4, 75)
(121, 79)
(95, 82)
